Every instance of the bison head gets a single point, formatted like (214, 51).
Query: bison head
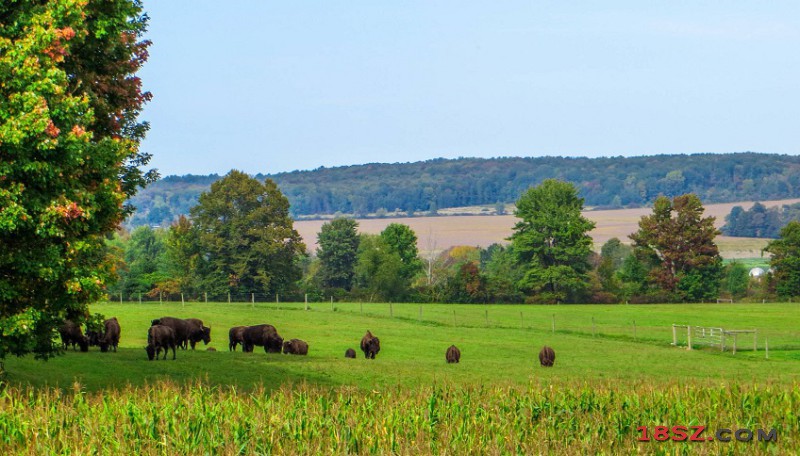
(151, 352)
(206, 335)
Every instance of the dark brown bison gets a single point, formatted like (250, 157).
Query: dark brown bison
(71, 334)
(110, 337)
(370, 345)
(160, 337)
(183, 329)
(547, 356)
(350, 353)
(198, 332)
(264, 336)
(453, 354)
(236, 337)
(295, 347)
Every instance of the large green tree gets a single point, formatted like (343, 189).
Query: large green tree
(338, 251)
(785, 261)
(678, 243)
(247, 241)
(378, 270)
(69, 157)
(402, 240)
(552, 241)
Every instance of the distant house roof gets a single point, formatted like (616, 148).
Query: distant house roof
(757, 272)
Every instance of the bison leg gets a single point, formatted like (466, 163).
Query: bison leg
(173, 353)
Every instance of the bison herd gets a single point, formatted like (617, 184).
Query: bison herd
(169, 333)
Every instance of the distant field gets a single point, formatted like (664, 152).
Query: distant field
(440, 233)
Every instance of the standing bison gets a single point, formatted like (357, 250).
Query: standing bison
(110, 336)
(160, 337)
(547, 356)
(236, 337)
(370, 345)
(71, 334)
(295, 347)
(350, 353)
(453, 354)
(186, 331)
(264, 336)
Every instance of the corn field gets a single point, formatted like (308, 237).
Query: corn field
(588, 418)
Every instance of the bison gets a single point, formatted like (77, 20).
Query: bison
(236, 337)
(350, 353)
(198, 332)
(262, 335)
(453, 354)
(110, 337)
(370, 345)
(295, 347)
(184, 329)
(71, 334)
(158, 337)
(547, 356)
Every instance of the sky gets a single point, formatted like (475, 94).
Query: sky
(274, 86)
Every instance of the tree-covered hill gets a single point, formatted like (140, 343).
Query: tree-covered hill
(610, 182)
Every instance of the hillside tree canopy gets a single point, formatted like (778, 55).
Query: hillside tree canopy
(69, 157)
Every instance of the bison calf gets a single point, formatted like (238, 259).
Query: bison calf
(453, 354)
(370, 345)
(547, 356)
(158, 337)
(295, 347)
(350, 353)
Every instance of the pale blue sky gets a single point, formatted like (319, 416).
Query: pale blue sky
(267, 86)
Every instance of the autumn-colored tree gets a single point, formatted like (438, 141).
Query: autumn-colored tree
(246, 240)
(552, 241)
(69, 157)
(678, 243)
(785, 261)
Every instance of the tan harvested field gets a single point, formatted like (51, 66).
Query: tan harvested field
(440, 233)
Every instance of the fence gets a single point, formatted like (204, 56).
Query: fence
(713, 337)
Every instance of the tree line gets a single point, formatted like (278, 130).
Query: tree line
(760, 221)
(239, 239)
(425, 187)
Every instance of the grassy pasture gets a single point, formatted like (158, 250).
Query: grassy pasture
(504, 352)
(408, 400)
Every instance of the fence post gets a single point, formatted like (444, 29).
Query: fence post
(554, 323)
(734, 342)
(205, 296)
(755, 340)
(487, 318)
(722, 341)
(391, 310)
(306, 300)
(634, 329)
(253, 299)
(276, 298)
(331, 303)
(689, 336)
(674, 335)
(140, 298)
(420, 312)
(183, 303)
(160, 301)
(120, 297)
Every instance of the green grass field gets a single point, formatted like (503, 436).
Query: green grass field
(606, 382)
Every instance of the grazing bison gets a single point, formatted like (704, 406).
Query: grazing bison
(547, 356)
(183, 329)
(110, 337)
(71, 334)
(295, 347)
(158, 337)
(453, 354)
(350, 353)
(236, 337)
(262, 335)
(370, 345)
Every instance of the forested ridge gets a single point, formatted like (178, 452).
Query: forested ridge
(609, 182)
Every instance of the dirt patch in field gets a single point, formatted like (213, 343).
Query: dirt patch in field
(440, 233)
